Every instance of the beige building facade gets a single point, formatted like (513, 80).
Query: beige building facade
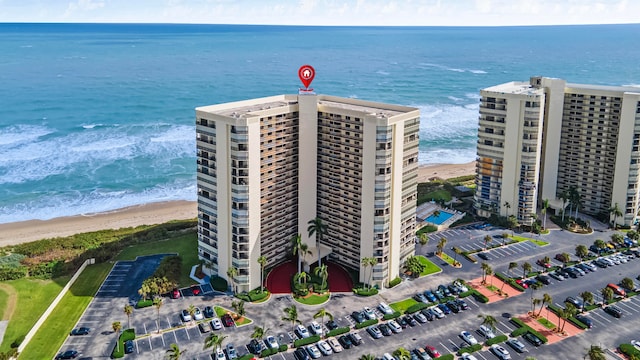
(538, 139)
(267, 166)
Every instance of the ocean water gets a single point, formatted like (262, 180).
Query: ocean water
(95, 117)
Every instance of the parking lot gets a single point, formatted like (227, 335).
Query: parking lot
(155, 333)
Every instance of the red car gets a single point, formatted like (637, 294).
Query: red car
(227, 320)
(432, 351)
(543, 264)
(522, 283)
(175, 293)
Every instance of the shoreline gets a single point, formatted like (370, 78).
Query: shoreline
(156, 213)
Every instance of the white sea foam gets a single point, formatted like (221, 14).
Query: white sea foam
(477, 71)
(381, 72)
(19, 134)
(454, 98)
(447, 68)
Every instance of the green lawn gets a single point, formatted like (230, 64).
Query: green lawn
(61, 321)
(34, 296)
(313, 299)
(546, 323)
(4, 299)
(539, 242)
(429, 267)
(220, 311)
(519, 238)
(402, 306)
(186, 246)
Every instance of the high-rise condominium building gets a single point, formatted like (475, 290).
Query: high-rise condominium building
(540, 139)
(268, 166)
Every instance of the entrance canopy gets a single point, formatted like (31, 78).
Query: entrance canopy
(312, 255)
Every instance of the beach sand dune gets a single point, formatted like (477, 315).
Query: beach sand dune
(156, 213)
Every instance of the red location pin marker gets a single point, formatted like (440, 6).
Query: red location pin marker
(306, 73)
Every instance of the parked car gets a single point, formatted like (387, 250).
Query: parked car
(541, 262)
(335, 345)
(387, 356)
(358, 316)
(331, 324)
(227, 321)
(468, 338)
(601, 263)
(69, 354)
(271, 342)
(313, 351)
(409, 320)
(355, 337)
(486, 331)
(419, 316)
(421, 354)
(430, 296)
(461, 286)
(543, 279)
(80, 331)
(432, 351)
(324, 348)
(585, 320)
(316, 328)
(444, 308)
(384, 308)
(185, 316)
(614, 311)
(345, 341)
(128, 346)
(385, 329)
(394, 326)
(556, 275)
(302, 331)
(198, 315)
(175, 293)
(500, 352)
(374, 332)
(462, 304)
(255, 346)
(231, 352)
(428, 314)
(522, 283)
(467, 356)
(219, 355)
(419, 297)
(453, 305)
(301, 354)
(369, 313)
(453, 289)
(204, 327)
(208, 312)
(402, 321)
(437, 312)
(216, 324)
(516, 344)
(577, 303)
(617, 289)
(534, 340)
(483, 256)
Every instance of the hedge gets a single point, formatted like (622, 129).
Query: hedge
(509, 281)
(416, 307)
(118, 350)
(12, 273)
(395, 282)
(470, 349)
(219, 283)
(144, 303)
(268, 352)
(480, 297)
(447, 299)
(524, 328)
(496, 340)
(629, 349)
(283, 348)
(393, 315)
(338, 331)
(253, 295)
(365, 292)
(306, 341)
(366, 323)
(470, 257)
(446, 357)
(573, 320)
(246, 357)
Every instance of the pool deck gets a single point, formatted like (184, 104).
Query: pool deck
(425, 210)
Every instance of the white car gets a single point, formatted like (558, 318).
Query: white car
(220, 355)
(468, 338)
(198, 315)
(467, 356)
(313, 351)
(395, 327)
(316, 328)
(369, 313)
(461, 286)
(335, 345)
(384, 308)
(387, 356)
(486, 332)
(185, 315)
(216, 324)
(271, 342)
(436, 310)
(324, 348)
(635, 344)
(302, 331)
(500, 352)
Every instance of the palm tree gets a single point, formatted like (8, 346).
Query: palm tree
(615, 211)
(303, 276)
(484, 266)
(232, 272)
(367, 357)
(214, 341)
(128, 310)
(238, 306)
(546, 299)
(508, 206)
(575, 199)
(512, 265)
(157, 302)
(259, 333)
(526, 268)
(582, 251)
(323, 273)
(489, 321)
(174, 352)
(365, 264)
(316, 226)
(402, 354)
(296, 245)
(262, 260)
(291, 315)
(595, 353)
(628, 284)
(534, 286)
(587, 297)
(423, 239)
(568, 312)
(545, 206)
(535, 302)
(116, 326)
(192, 311)
(441, 244)
(564, 195)
(489, 272)
(487, 240)
(372, 262)
(321, 314)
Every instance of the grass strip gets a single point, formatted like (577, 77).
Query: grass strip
(402, 306)
(313, 299)
(429, 266)
(53, 332)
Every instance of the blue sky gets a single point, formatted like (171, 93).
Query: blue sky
(327, 12)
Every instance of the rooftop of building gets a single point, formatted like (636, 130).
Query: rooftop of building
(620, 89)
(515, 87)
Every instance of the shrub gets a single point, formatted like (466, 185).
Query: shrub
(16, 343)
(446, 357)
(268, 352)
(219, 283)
(283, 348)
(170, 267)
(118, 350)
(470, 349)
(480, 297)
(393, 315)
(416, 307)
(246, 357)
(446, 299)
(510, 281)
(524, 328)
(366, 323)
(470, 257)
(12, 273)
(395, 282)
(628, 350)
(365, 292)
(338, 331)
(306, 341)
(465, 294)
(496, 340)
(144, 303)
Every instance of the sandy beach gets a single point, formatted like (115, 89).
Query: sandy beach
(156, 213)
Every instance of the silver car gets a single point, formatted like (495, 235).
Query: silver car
(517, 345)
(335, 345)
(325, 349)
(313, 351)
(500, 352)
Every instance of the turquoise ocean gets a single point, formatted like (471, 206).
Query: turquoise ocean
(96, 117)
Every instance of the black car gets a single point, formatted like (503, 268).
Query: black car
(613, 310)
(255, 347)
(208, 312)
(402, 322)
(439, 294)
(301, 354)
(585, 320)
(385, 330)
(454, 289)
(345, 341)
(534, 340)
(69, 354)
(445, 309)
(543, 279)
(409, 320)
(445, 290)
(428, 314)
(128, 346)
(332, 325)
(451, 304)
(80, 331)
(483, 256)
(358, 316)
(462, 304)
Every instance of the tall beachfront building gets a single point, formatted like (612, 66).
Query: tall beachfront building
(538, 139)
(268, 166)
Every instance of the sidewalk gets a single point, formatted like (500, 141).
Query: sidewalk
(552, 336)
(492, 296)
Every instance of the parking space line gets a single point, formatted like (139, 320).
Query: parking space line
(625, 305)
(600, 316)
(188, 337)
(501, 323)
(631, 305)
(480, 354)
(444, 346)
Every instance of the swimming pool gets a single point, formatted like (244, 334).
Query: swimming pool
(442, 217)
